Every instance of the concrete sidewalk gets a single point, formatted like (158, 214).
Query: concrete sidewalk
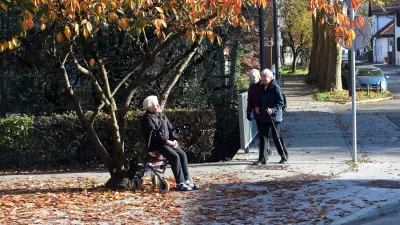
(319, 185)
(319, 144)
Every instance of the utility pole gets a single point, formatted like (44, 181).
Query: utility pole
(276, 44)
(353, 90)
(261, 28)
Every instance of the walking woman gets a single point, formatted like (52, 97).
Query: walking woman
(253, 106)
(271, 115)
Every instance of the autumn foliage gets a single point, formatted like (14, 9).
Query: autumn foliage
(338, 22)
(86, 17)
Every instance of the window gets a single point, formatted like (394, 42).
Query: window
(398, 19)
(398, 44)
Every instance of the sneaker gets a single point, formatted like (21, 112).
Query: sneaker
(183, 187)
(191, 185)
(283, 161)
(259, 163)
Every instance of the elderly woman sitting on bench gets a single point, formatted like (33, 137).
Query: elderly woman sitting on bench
(163, 140)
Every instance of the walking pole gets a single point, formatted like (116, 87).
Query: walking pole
(279, 138)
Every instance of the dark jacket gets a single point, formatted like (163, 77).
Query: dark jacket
(253, 99)
(161, 127)
(271, 98)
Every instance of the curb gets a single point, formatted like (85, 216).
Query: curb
(370, 212)
(372, 100)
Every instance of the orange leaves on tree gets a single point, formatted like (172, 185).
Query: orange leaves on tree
(83, 16)
(360, 22)
(159, 33)
(157, 23)
(53, 15)
(123, 23)
(159, 9)
(3, 6)
(76, 28)
(28, 23)
(59, 37)
(67, 33)
(112, 16)
(340, 17)
(85, 32)
(210, 36)
(89, 27)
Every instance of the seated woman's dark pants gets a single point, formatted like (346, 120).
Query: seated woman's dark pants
(178, 161)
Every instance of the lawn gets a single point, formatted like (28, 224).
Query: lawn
(343, 96)
(287, 70)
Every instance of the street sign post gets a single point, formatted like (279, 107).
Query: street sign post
(363, 35)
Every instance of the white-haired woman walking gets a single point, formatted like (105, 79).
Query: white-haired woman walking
(253, 106)
(164, 141)
(271, 114)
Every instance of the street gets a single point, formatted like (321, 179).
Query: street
(390, 109)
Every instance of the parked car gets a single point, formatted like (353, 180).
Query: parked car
(370, 75)
(346, 74)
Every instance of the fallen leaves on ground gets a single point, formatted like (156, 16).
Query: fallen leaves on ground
(224, 198)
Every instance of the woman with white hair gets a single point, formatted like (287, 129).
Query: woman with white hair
(163, 140)
(253, 106)
(271, 115)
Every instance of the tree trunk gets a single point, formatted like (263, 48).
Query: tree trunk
(177, 74)
(94, 140)
(334, 81)
(232, 71)
(314, 60)
(294, 63)
(322, 62)
(3, 92)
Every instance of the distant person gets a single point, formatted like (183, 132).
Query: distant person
(253, 106)
(271, 115)
(163, 140)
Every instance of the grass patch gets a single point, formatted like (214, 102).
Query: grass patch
(343, 96)
(287, 70)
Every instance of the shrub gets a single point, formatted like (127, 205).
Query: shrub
(60, 140)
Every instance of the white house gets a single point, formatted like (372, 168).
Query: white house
(383, 31)
(397, 38)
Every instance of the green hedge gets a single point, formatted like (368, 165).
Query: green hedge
(59, 140)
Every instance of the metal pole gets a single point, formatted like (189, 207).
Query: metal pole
(353, 90)
(262, 48)
(276, 44)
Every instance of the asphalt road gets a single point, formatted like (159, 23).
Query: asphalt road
(391, 109)
(393, 81)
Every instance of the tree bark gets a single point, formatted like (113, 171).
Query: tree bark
(314, 60)
(232, 71)
(322, 56)
(3, 92)
(294, 63)
(93, 138)
(334, 81)
(177, 74)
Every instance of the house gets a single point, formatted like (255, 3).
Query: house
(383, 31)
(397, 38)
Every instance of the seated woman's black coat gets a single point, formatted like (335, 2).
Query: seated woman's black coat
(161, 127)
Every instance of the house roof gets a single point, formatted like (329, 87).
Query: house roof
(388, 8)
(386, 31)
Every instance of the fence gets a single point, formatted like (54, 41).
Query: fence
(248, 129)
